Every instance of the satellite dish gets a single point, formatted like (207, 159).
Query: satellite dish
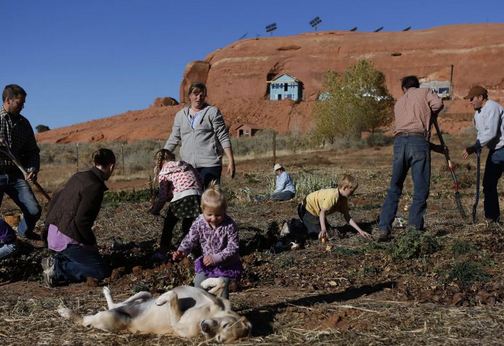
(407, 29)
(353, 29)
(379, 29)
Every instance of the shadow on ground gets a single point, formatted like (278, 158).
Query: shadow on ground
(262, 317)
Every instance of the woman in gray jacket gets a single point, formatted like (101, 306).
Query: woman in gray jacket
(203, 137)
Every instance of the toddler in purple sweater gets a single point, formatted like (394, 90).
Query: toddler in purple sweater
(217, 234)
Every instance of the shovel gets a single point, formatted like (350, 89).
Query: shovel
(6, 151)
(458, 199)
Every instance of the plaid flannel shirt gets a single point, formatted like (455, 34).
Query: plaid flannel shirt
(17, 134)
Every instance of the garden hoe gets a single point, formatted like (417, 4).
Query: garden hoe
(478, 178)
(456, 184)
(4, 149)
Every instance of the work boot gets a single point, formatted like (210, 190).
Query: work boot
(382, 235)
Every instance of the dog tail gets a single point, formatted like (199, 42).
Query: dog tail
(70, 315)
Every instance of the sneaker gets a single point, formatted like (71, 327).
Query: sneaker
(48, 273)
(382, 235)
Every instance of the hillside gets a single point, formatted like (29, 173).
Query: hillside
(237, 77)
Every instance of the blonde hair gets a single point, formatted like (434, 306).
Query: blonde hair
(348, 181)
(160, 157)
(213, 198)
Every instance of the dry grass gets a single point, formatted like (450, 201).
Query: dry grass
(355, 293)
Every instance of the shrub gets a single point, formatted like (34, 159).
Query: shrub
(461, 247)
(42, 128)
(467, 272)
(414, 244)
(307, 183)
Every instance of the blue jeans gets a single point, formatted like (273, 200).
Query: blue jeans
(7, 249)
(19, 190)
(76, 263)
(409, 152)
(208, 174)
(282, 196)
(493, 171)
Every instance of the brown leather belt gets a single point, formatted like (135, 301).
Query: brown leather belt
(408, 134)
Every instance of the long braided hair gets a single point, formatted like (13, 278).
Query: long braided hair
(160, 157)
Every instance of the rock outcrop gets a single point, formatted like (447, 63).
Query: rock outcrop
(237, 75)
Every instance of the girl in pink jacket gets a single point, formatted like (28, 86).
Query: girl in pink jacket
(179, 184)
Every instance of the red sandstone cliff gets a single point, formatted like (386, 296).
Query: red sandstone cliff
(237, 76)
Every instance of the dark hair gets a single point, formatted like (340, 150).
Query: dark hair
(103, 157)
(198, 85)
(12, 91)
(410, 82)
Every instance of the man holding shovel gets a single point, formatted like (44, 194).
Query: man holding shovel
(16, 135)
(412, 114)
(488, 120)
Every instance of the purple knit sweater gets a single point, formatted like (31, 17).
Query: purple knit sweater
(222, 244)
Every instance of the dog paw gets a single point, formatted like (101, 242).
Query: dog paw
(64, 312)
(212, 283)
(166, 297)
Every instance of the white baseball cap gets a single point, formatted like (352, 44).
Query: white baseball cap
(277, 166)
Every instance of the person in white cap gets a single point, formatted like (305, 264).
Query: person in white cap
(488, 120)
(284, 186)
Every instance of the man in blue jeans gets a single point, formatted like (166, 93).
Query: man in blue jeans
(488, 120)
(16, 133)
(412, 114)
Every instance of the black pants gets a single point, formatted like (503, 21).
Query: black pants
(169, 224)
(208, 174)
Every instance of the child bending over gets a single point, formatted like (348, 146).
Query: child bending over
(180, 185)
(217, 234)
(317, 205)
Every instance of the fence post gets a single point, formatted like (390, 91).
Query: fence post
(122, 160)
(274, 147)
(77, 154)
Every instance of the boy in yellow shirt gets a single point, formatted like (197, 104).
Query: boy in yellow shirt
(323, 202)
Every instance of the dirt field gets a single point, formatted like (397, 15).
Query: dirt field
(442, 287)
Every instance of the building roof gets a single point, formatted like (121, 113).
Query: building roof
(252, 126)
(287, 76)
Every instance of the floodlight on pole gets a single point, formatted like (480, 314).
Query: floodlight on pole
(315, 22)
(353, 29)
(270, 28)
(407, 29)
(379, 29)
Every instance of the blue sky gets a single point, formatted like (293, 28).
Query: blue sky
(82, 60)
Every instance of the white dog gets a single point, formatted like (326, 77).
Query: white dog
(184, 311)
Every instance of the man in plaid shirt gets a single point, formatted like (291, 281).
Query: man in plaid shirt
(17, 134)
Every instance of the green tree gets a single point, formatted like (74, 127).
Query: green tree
(42, 128)
(352, 102)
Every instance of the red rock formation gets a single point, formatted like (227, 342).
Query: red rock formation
(237, 76)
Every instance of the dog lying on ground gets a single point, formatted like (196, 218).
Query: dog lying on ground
(184, 311)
